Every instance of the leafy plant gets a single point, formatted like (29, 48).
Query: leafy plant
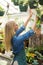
(38, 12)
(32, 57)
(39, 55)
(29, 55)
(38, 24)
(29, 49)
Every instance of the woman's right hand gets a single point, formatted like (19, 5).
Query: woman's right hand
(30, 12)
(30, 15)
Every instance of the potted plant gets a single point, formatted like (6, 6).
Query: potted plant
(30, 56)
(23, 6)
(16, 2)
(1, 11)
(41, 2)
(33, 4)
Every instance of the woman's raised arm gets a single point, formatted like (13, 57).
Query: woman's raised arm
(30, 15)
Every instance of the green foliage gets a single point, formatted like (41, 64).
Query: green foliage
(2, 45)
(38, 24)
(1, 9)
(29, 49)
(39, 48)
(32, 55)
(38, 12)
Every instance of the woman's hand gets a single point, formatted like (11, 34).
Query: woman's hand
(34, 25)
(30, 12)
(30, 15)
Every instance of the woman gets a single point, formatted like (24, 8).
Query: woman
(16, 42)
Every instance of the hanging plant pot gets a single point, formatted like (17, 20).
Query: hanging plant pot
(16, 2)
(33, 4)
(41, 2)
(1, 13)
(23, 7)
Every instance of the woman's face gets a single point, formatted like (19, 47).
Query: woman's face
(15, 27)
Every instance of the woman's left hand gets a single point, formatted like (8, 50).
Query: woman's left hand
(30, 12)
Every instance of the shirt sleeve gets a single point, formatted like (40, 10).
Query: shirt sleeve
(25, 36)
(20, 30)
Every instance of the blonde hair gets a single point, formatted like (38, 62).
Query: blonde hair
(9, 32)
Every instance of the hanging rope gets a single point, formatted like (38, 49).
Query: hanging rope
(7, 8)
(11, 5)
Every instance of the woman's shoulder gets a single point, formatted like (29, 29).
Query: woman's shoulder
(14, 37)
